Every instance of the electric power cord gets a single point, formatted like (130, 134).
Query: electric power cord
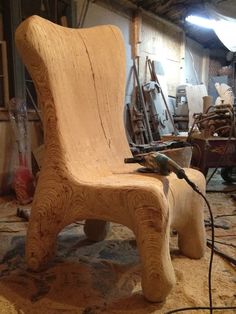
(163, 165)
(197, 308)
(211, 308)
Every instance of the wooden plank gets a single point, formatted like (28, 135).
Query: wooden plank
(182, 58)
(8, 157)
(5, 72)
(1, 27)
(32, 115)
(64, 21)
(136, 33)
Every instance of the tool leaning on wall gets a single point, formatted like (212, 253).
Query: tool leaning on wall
(148, 117)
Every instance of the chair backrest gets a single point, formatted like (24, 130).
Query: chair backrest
(79, 76)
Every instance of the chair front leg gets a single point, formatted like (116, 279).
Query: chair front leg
(152, 235)
(46, 221)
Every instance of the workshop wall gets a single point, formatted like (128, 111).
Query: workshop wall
(182, 62)
(165, 44)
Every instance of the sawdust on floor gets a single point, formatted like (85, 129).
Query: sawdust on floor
(104, 277)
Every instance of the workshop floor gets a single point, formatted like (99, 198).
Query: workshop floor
(104, 277)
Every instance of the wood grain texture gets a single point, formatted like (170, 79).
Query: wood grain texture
(80, 81)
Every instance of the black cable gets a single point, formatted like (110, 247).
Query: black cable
(196, 189)
(182, 175)
(223, 243)
(210, 307)
(216, 308)
(222, 254)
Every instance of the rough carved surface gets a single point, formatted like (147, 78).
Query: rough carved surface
(80, 80)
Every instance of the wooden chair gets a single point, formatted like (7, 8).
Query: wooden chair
(79, 76)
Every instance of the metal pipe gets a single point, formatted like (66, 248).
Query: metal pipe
(34, 105)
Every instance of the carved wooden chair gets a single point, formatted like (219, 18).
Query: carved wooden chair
(79, 76)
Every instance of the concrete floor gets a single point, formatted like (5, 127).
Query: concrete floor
(104, 277)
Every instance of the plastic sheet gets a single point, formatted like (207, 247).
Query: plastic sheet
(23, 182)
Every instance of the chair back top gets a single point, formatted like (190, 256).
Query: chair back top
(79, 75)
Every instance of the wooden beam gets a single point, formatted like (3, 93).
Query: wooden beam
(136, 33)
(32, 115)
(12, 18)
(5, 72)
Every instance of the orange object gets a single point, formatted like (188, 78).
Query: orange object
(23, 184)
